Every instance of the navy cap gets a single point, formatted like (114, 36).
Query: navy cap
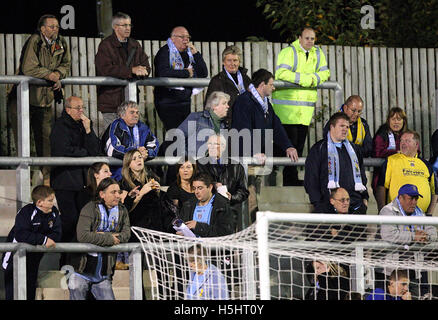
(410, 190)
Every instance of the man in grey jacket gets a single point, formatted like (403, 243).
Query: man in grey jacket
(406, 205)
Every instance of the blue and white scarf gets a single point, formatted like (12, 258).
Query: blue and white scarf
(175, 59)
(239, 85)
(391, 141)
(333, 165)
(262, 102)
(136, 137)
(418, 213)
(108, 221)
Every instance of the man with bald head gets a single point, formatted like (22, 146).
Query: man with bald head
(72, 136)
(359, 132)
(179, 58)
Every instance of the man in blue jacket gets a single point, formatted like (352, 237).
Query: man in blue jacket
(37, 223)
(127, 133)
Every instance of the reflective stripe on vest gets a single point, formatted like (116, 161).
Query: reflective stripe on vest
(294, 103)
(318, 58)
(283, 65)
(294, 69)
(318, 78)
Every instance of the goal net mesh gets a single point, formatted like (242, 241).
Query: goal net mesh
(307, 261)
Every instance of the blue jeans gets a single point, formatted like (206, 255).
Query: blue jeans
(79, 288)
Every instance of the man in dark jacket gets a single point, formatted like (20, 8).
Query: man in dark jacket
(232, 80)
(209, 214)
(122, 57)
(72, 136)
(228, 175)
(335, 162)
(177, 59)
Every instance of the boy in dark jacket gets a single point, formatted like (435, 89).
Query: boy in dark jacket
(37, 223)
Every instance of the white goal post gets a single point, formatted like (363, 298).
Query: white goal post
(271, 258)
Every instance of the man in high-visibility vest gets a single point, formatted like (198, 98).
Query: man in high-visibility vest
(304, 64)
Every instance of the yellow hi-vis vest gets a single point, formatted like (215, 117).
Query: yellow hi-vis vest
(296, 106)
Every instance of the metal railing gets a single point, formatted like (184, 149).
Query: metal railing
(23, 126)
(19, 262)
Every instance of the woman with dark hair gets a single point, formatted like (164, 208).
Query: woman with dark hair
(386, 141)
(182, 190)
(96, 173)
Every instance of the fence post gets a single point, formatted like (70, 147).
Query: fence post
(262, 244)
(135, 275)
(23, 144)
(131, 92)
(20, 289)
(360, 271)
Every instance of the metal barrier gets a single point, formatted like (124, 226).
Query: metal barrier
(19, 262)
(23, 128)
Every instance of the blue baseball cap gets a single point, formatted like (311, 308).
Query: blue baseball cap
(410, 190)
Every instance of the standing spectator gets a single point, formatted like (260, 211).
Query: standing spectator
(397, 288)
(127, 133)
(45, 55)
(407, 167)
(198, 126)
(103, 222)
(143, 199)
(182, 190)
(386, 141)
(209, 214)
(405, 204)
(233, 79)
(72, 136)
(118, 56)
(253, 112)
(304, 64)
(228, 175)
(37, 223)
(323, 168)
(179, 58)
(359, 131)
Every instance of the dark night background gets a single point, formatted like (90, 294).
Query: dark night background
(153, 20)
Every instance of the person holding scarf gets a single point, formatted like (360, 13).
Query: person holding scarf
(179, 58)
(233, 78)
(405, 204)
(386, 141)
(127, 133)
(359, 131)
(104, 222)
(323, 168)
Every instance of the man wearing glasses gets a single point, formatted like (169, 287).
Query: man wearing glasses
(72, 136)
(45, 55)
(118, 56)
(359, 132)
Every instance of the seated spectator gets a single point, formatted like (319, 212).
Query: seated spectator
(208, 215)
(71, 136)
(406, 167)
(397, 288)
(232, 80)
(386, 142)
(103, 222)
(323, 168)
(210, 121)
(96, 173)
(329, 281)
(128, 133)
(228, 175)
(359, 130)
(37, 223)
(405, 204)
(182, 190)
(206, 281)
(143, 199)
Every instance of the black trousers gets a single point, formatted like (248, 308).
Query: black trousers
(172, 115)
(32, 265)
(297, 134)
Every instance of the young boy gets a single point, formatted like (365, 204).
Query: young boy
(37, 223)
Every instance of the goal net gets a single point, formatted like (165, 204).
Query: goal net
(297, 256)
